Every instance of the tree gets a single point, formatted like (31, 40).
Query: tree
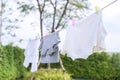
(7, 19)
(54, 14)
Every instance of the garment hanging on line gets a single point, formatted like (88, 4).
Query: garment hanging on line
(49, 48)
(32, 54)
(85, 36)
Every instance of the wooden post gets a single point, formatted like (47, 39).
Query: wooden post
(61, 63)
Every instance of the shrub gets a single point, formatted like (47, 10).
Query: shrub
(11, 63)
(115, 60)
(45, 74)
(98, 66)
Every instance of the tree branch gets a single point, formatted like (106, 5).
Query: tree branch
(39, 6)
(41, 9)
(64, 11)
(51, 3)
(54, 6)
(43, 6)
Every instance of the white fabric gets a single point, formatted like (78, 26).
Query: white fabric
(32, 54)
(84, 36)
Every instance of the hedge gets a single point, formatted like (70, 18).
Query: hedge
(11, 65)
(98, 66)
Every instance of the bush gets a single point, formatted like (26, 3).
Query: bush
(18, 59)
(44, 74)
(115, 60)
(11, 63)
(1, 50)
(98, 66)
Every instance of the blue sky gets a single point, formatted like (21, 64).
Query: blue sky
(111, 20)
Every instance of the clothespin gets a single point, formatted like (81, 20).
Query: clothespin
(46, 34)
(97, 9)
(73, 22)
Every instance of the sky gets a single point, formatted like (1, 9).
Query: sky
(111, 20)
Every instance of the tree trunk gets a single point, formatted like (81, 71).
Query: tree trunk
(1, 21)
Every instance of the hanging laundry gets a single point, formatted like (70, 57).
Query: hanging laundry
(32, 54)
(49, 48)
(86, 34)
(100, 43)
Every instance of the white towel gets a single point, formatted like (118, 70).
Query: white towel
(32, 54)
(85, 35)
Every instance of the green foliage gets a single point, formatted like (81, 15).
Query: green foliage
(115, 60)
(98, 66)
(11, 64)
(44, 74)
(79, 5)
(6, 67)
(18, 59)
(26, 8)
(1, 49)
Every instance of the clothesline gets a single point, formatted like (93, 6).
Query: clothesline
(109, 4)
(76, 45)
